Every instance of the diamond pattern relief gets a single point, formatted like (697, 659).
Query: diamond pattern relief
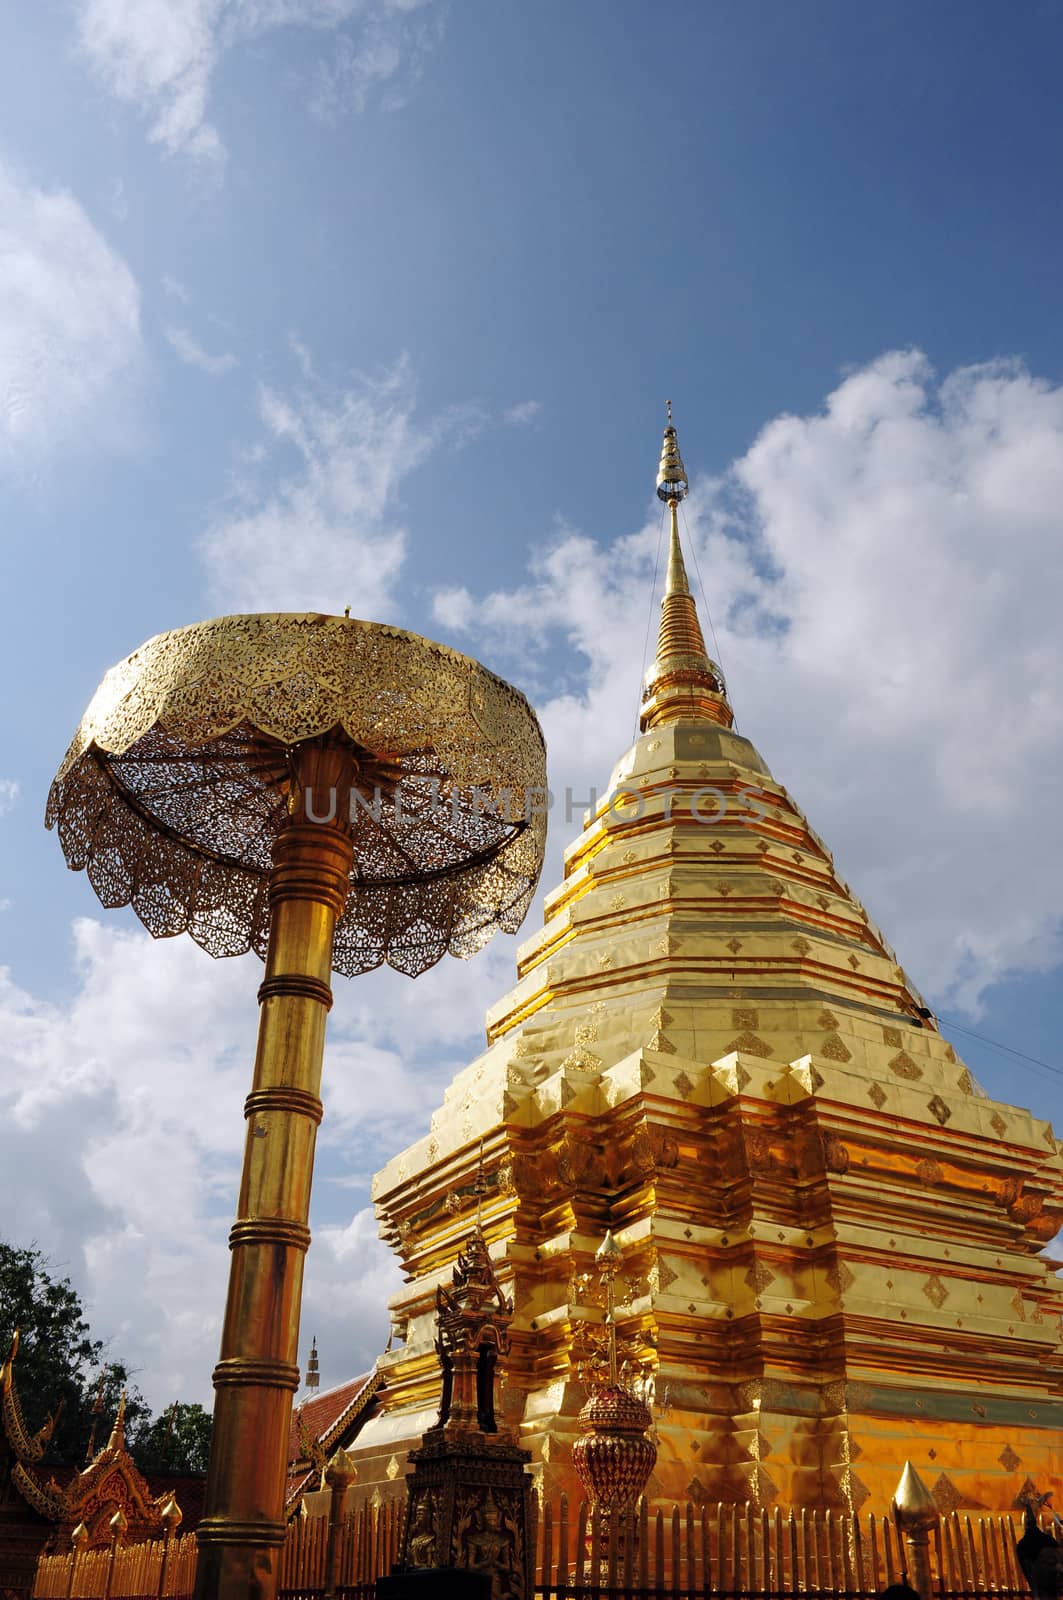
(734, 945)
(759, 1276)
(834, 1050)
(892, 1036)
(661, 1044)
(683, 1084)
(716, 847)
(878, 1094)
(802, 946)
(745, 1018)
(1008, 1459)
(696, 1491)
(663, 1274)
(903, 1065)
(945, 1494)
(618, 902)
(854, 963)
(997, 1123)
(749, 1045)
(827, 1020)
(939, 1110)
(965, 1083)
(935, 1291)
(929, 1171)
(839, 1277)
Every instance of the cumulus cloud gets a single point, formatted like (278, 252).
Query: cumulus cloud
(161, 55)
(193, 354)
(525, 411)
(8, 795)
(885, 578)
(121, 1129)
(70, 343)
(325, 535)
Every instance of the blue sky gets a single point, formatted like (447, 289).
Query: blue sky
(327, 302)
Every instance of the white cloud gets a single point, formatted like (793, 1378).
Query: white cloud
(525, 411)
(386, 59)
(325, 535)
(174, 287)
(886, 582)
(161, 55)
(194, 355)
(70, 345)
(121, 1130)
(9, 789)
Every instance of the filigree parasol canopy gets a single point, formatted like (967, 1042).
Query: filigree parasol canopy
(181, 775)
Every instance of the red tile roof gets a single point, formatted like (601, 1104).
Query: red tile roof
(323, 1417)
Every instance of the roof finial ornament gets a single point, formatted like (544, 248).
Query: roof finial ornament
(671, 473)
(682, 681)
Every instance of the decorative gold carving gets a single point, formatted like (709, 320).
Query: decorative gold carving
(801, 945)
(939, 1110)
(998, 1125)
(748, 1044)
(827, 1020)
(734, 945)
(836, 1156)
(878, 1094)
(904, 1067)
(892, 1036)
(946, 1495)
(684, 1085)
(179, 776)
(833, 1049)
(1009, 1460)
(745, 1017)
(965, 1083)
(839, 1277)
(935, 1291)
(759, 1276)
(929, 1171)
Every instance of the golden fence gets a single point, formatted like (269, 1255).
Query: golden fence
(156, 1567)
(748, 1550)
(688, 1550)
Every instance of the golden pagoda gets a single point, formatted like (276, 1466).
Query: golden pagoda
(833, 1236)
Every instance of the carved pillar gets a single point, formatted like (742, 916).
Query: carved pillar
(258, 1371)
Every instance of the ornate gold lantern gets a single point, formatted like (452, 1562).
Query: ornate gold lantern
(613, 1457)
(331, 794)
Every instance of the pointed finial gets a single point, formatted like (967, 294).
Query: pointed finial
(913, 1504)
(117, 1439)
(171, 1516)
(340, 1470)
(118, 1524)
(671, 473)
(682, 681)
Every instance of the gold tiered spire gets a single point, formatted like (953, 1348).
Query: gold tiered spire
(683, 681)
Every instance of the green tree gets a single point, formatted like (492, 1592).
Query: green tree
(178, 1440)
(60, 1367)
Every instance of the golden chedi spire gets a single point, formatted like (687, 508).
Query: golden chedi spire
(683, 681)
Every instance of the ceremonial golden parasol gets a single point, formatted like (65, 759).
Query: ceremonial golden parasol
(331, 794)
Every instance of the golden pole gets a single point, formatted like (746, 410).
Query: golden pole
(257, 1374)
(916, 1513)
(340, 1473)
(77, 1539)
